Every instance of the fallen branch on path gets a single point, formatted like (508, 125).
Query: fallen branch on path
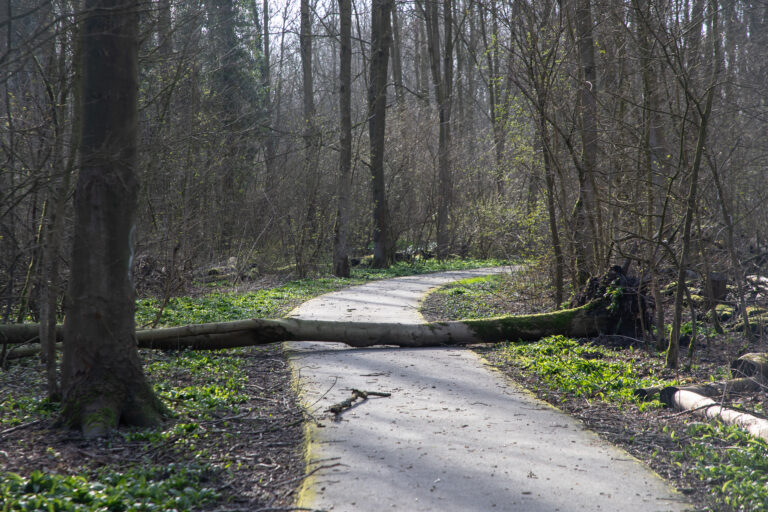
(356, 394)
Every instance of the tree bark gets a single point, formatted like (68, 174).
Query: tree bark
(703, 115)
(442, 80)
(103, 382)
(381, 40)
(585, 224)
(588, 320)
(397, 60)
(700, 405)
(340, 248)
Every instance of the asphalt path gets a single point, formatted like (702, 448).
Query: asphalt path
(455, 435)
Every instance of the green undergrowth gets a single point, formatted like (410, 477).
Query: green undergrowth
(199, 389)
(583, 370)
(140, 489)
(731, 462)
(225, 305)
(468, 298)
(222, 306)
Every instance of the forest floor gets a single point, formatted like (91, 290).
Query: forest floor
(233, 446)
(715, 467)
(235, 440)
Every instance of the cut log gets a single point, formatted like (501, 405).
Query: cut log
(18, 352)
(705, 407)
(588, 320)
(711, 390)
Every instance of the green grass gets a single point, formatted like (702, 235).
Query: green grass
(472, 298)
(222, 306)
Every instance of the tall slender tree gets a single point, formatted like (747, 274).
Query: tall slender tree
(381, 40)
(441, 65)
(340, 248)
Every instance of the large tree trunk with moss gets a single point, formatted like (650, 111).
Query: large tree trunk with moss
(614, 304)
(588, 320)
(103, 382)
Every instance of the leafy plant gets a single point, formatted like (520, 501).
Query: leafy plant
(582, 370)
(171, 487)
(732, 463)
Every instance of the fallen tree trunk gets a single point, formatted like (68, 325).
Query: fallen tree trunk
(584, 321)
(19, 351)
(711, 390)
(705, 407)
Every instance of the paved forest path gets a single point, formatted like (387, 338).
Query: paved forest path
(454, 435)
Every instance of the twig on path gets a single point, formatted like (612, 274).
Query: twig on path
(356, 394)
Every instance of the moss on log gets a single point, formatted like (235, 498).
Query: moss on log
(586, 320)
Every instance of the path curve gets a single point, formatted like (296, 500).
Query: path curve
(455, 435)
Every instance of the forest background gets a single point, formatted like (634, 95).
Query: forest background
(574, 134)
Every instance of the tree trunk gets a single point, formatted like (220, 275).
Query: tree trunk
(549, 177)
(103, 382)
(442, 80)
(397, 60)
(585, 226)
(340, 249)
(496, 109)
(381, 40)
(705, 407)
(588, 320)
(703, 115)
